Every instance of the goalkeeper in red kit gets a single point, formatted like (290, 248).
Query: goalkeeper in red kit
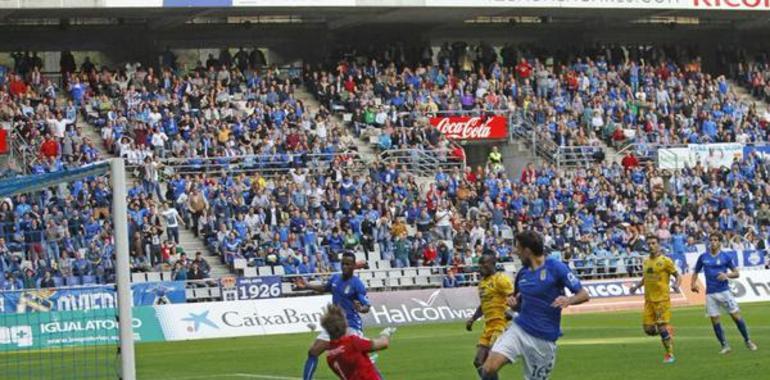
(348, 355)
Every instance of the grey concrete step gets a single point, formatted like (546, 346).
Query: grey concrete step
(192, 244)
(364, 148)
(743, 95)
(187, 239)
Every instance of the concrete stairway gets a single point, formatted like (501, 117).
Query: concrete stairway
(365, 149)
(743, 95)
(192, 244)
(312, 104)
(187, 239)
(516, 156)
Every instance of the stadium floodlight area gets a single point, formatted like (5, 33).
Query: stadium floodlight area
(71, 332)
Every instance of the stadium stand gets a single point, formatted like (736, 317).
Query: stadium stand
(273, 187)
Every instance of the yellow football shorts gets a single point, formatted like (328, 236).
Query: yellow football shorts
(492, 330)
(656, 313)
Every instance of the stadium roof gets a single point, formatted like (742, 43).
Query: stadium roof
(344, 16)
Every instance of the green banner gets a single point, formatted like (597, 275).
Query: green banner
(73, 328)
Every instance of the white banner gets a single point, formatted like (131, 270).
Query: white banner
(752, 286)
(133, 3)
(675, 158)
(240, 318)
(711, 156)
(738, 5)
(716, 155)
(294, 3)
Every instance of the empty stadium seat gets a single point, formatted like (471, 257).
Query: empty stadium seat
(407, 281)
(506, 232)
(380, 274)
(410, 273)
(153, 277)
(383, 264)
(365, 275)
(421, 281)
(392, 282)
(395, 273)
(278, 270)
(138, 277)
(190, 294)
(375, 283)
(89, 280)
(265, 271)
(250, 272)
(215, 292)
(72, 281)
(239, 264)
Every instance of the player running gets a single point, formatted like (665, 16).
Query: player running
(536, 327)
(349, 293)
(494, 289)
(715, 265)
(347, 354)
(656, 319)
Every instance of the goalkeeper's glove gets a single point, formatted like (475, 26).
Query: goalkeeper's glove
(388, 332)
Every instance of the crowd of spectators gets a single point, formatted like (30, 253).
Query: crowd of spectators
(61, 232)
(216, 116)
(612, 95)
(247, 120)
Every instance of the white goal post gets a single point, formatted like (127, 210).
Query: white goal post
(122, 268)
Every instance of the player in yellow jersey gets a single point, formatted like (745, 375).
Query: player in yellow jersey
(658, 270)
(494, 289)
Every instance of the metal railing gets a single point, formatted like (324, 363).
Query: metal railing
(266, 165)
(577, 156)
(525, 128)
(422, 162)
(21, 153)
(607, 267)
(646, 151)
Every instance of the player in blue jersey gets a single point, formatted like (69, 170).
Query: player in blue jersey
(718, 267)
(349, 293)
(540, 298)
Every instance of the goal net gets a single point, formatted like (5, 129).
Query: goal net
(64, 297)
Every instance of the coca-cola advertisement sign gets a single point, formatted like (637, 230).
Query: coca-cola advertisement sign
(472, 127)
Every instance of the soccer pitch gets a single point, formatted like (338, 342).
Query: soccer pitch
(594, 346)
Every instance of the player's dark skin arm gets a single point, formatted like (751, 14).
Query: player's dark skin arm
(677, 281)
(473, 318)
(318, 288)
(361, 308)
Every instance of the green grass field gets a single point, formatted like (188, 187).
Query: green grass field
(594, 346)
